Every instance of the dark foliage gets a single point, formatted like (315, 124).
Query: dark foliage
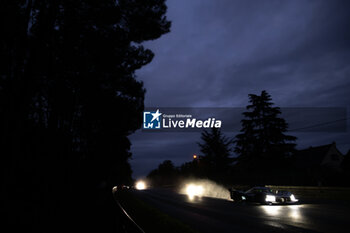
(68, 101)
(346, 162)
(216, 151)
(263, 131)
(346, 169)
(165, 174)
(262, 147)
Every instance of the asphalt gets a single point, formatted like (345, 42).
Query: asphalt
(210, 215)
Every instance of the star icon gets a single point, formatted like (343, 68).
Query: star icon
(156, 115)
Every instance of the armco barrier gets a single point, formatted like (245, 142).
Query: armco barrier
(129, 225)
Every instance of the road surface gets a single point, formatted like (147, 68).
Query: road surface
(219, 215)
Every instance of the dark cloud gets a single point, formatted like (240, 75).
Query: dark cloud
(220, 51)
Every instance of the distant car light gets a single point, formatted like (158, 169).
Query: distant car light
(140, 185)
(243, 198)
(270, 198)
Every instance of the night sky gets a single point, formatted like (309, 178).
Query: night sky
(220, 51)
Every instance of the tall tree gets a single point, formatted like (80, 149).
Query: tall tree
(68, 100)
(216, 150)
(263, 135)
(165, 174)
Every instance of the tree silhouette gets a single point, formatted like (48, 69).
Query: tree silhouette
(262, 136)
(216, 150)
(68, 101)
(165, 174)
(345, 165)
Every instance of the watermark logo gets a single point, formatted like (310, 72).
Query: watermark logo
(187, 119)
(177, 119)
(152, 120)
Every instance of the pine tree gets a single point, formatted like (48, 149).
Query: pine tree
(262, 136)
(216, 150)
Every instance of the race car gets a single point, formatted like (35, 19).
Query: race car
(263, 195)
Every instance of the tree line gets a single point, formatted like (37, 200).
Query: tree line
(69, 98)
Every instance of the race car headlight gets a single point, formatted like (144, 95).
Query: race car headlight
(141, 185)
(270, 198)
(194, 190)
(292, 198)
